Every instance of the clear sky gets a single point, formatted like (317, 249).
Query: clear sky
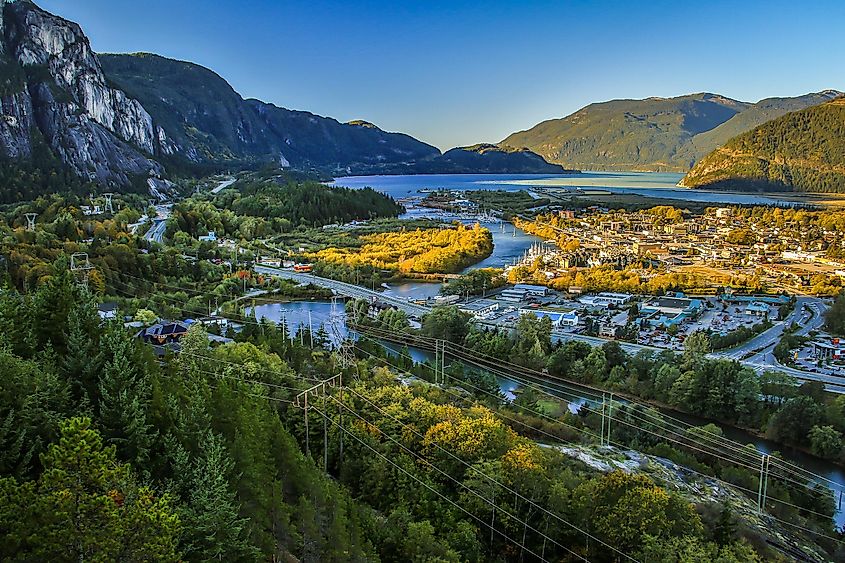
(460, 72)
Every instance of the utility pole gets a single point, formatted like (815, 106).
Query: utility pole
(30, 221)
(302, 401)
(763, 486)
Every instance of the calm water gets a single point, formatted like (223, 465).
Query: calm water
(654, 184)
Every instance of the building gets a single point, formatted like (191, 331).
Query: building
(480, 308)
(210, 237)
(558, 318)
(163, 333)
(606, 299)
(446, 299)
(667, 311)
(513, 295)
(538, 290)
(833, 349)
(757, 309)
(107, 311)
(607, 331)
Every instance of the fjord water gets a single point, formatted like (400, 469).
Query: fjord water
(649, 184)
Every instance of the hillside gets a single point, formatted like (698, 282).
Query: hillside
(210, 122)
(757, 114)
(655, 134)
(800, 151)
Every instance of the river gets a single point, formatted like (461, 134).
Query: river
(650, 184)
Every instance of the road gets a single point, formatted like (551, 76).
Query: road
(348, 289)
(156, 231)
(765, 362)
(808, 314)
(223, 185)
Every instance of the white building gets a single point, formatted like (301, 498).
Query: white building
(480, 308)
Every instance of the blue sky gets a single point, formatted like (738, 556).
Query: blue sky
(461, 72)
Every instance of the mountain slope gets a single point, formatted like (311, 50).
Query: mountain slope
(800, 151)
(628, 134)
(210, 122)
(57, 102)
(756, 115)
(669, 134)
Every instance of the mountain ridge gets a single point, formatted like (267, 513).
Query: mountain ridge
(652, 134)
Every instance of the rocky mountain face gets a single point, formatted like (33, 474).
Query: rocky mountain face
(122, 120)
(655, 134)
(54, 92)
(800, 151)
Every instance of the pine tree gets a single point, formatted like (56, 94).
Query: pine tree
(124, 397)
(213, 526)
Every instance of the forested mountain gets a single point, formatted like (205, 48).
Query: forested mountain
(800, 151)
(657, 134)
(489, 159)
(210, 122)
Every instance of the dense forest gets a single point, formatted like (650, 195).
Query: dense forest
(256, 208)
(110, 455)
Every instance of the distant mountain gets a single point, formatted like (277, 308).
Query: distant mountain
(799, 151)
(210, 122)
(489, 159)
(72, 119)
(656, 134)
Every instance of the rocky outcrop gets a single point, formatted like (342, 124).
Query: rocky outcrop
(57, 94)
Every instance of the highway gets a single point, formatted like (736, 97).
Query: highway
(156, 231)
(760, 362)
(223, 185)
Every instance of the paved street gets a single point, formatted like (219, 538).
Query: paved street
(156, 232)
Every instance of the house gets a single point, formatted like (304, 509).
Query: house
(163, 333)
(210, 237)
(607, 331)
(107, 311)
(570, 319)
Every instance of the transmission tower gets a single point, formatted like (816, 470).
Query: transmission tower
(108, 206)
(30, 221)
(79, 263)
